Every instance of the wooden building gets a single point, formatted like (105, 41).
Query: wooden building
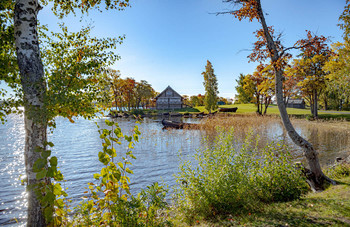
(296, 103)
(169, 99)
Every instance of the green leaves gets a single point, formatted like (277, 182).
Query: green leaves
(129, 171)
(41, 174)
(53, 161)
(109, 123)
(112, 193)
(118, 132)
(45, 154)
(97, 176)
(64, 8)
(211, 88)
(104, 158)
(74, 66)
(39, 165)
(226, 177)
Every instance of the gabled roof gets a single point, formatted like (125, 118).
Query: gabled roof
(168, 89)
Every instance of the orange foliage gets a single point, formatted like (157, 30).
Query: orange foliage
(261, 52)
(314, 45)
(249, 10)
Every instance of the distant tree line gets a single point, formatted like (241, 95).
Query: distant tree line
(319, 75)
(128, 93)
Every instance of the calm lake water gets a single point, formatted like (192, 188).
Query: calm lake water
(77, 146)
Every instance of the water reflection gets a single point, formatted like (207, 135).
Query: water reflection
(77, 146)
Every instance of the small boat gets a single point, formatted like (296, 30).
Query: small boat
(233, 110)
(178, 125)
(187, 115)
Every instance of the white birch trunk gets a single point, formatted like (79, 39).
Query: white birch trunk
(32, 79)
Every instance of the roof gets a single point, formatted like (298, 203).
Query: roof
(167, 89)
(295, 101)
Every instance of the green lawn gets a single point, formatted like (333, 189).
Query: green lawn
(273, 109)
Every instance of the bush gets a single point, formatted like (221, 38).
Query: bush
(137, 112)
(230, 179)
(310, 118)
(339, 170)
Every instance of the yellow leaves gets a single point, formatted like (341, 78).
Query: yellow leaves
(80, 55)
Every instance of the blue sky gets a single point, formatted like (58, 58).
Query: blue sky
(168, 41)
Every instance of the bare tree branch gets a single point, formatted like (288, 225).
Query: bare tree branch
(295, 47)
(222, 13)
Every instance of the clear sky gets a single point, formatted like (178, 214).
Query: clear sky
(168, 41)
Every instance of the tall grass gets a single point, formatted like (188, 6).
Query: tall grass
(226, 178)
(242, 123)
(330, 138)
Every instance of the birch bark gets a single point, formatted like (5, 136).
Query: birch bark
(34, 89)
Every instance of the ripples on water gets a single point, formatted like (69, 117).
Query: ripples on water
(77, 146)
(12, 193)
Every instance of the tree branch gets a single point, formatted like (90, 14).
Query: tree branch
(295, 47)
(222, 13)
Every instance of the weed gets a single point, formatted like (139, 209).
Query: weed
(227, 178)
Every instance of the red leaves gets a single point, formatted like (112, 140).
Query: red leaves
(261, 52)
(314, 45)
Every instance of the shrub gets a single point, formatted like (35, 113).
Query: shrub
(227, 178)
(310, 117)
(339, 170)
(137, 112)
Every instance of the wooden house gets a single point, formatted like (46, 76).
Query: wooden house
(296, 103)
(169, 99)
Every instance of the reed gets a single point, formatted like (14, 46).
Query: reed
(324, 135)
(242, 124)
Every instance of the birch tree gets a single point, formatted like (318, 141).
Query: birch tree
(34, 86)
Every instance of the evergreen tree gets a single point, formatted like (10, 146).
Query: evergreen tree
(211, 88)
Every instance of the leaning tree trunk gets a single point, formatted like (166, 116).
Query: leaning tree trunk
(310, 153)
(34, 89)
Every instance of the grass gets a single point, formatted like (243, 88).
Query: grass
(328, 208)
(273, 109)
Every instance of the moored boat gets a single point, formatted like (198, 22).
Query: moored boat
(233, 110)
(178, 125)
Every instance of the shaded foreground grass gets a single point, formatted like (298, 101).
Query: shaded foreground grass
(328, 208)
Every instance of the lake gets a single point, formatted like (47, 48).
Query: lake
(77, 146)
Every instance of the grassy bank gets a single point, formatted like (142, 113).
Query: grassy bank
(209, 200)
(328, 208)
(248, 109)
